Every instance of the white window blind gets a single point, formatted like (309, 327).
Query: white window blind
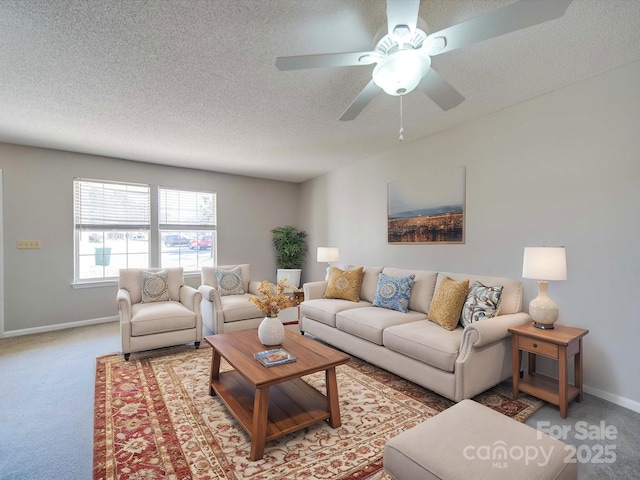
(186, 209)
(103, 205)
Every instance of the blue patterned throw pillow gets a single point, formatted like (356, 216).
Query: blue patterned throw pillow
(393, 292)
(229, 281)
(482, 302)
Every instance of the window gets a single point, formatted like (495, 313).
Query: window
(112, 226)
(187, 224)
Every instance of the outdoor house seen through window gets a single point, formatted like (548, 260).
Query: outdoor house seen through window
(113, 228)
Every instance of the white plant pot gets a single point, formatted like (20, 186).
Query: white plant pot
(292, 273)
(271, 331)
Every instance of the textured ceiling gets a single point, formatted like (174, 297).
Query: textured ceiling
(194, 83)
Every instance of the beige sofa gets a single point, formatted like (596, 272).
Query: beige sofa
(228, 313)
(457, 364)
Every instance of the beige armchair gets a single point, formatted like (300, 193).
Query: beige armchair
(224, 312)
(157, 309)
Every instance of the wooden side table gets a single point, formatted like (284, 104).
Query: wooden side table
(561, 343)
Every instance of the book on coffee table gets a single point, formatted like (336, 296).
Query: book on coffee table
(271, 358)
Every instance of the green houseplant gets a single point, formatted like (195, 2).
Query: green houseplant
(291, 249)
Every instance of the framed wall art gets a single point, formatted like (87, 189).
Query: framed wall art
(427, 209)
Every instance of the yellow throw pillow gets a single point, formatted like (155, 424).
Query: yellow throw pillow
(344, 285)
(447, 302)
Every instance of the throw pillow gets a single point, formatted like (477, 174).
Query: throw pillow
(447, 302)
(482, 302)
(393, 292)
(155, 286)
(344, 284)
(229, 281)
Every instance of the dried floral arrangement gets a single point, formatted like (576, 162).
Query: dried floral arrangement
(271, 299)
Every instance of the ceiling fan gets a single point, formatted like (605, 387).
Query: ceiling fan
(403, 55)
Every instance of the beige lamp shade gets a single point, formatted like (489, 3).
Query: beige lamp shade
(328, 254)
(545, 263)
(542, 264)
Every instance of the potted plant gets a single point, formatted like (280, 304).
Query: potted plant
(291, 250)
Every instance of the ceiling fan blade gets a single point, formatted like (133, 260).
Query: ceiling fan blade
(361, 101)
(402, 12)
(515, 16)
(440, 91)
(325, 60)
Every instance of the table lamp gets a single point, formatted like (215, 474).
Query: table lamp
(328, 255)
(543, 264)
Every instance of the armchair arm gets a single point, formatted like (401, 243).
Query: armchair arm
(212, 313)
(253, 288)
(123, 299)
(190, 298)
(314, 290)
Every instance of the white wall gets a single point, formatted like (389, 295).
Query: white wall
(562, 169)
(38, 205)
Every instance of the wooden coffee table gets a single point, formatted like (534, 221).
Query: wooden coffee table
(271, 402)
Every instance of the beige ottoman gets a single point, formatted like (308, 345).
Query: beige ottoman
(469, 441)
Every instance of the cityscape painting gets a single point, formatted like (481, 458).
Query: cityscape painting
(427, 210)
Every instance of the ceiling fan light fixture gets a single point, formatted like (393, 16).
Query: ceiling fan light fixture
(401, 72)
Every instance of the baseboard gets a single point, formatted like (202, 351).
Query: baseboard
(60, 326)
(632, 405)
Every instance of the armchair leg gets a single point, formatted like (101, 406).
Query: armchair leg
(126, 356)
(197, 345)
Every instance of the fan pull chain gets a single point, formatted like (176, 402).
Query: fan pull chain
(401, 138)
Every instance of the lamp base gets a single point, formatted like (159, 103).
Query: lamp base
(543, 326)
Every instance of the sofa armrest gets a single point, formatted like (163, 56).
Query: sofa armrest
(486, 332)
(314, 290)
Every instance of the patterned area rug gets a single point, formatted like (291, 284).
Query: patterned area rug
(154, 418)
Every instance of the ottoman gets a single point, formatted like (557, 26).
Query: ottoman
(470, 441)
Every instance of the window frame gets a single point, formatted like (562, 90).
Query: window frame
(153, 229)
(181, 225)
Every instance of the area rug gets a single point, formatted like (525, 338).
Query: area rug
(154, 419)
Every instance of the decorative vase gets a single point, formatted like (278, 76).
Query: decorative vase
(271, 331)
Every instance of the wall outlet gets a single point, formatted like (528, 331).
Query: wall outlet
(28, 244)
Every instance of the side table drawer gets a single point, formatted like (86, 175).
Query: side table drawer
(537, 346)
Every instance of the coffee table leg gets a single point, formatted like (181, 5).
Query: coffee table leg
(260, 419)
(332, 398)
(215, 370)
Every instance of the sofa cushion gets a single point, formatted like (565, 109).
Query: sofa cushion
(158, 317)
(155, 286)
(369, 283)
(324, 310)
(238, 307)
(426, 342)
(369, 322)
(447, 302)
(229, 281)
(393, 292)
(344, 284)
(424, 284)
(482, 302)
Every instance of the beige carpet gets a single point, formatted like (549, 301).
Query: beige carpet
(154, 418)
